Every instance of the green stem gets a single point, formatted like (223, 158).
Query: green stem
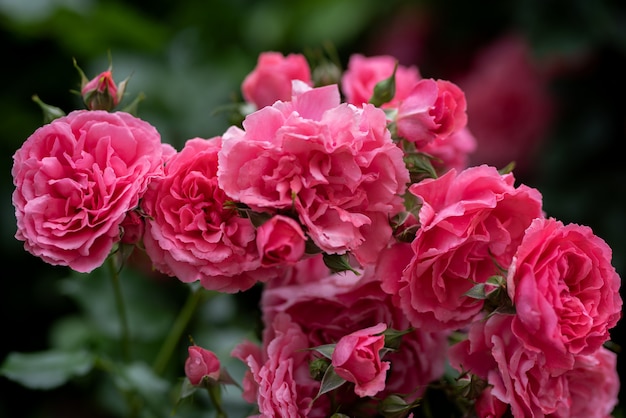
(172, 340)
(121, 309)
(216, 399)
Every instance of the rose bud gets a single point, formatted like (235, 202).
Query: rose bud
(201, 364)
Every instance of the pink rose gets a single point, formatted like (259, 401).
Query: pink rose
(271, 78)
(454, 152)
(280, 240)
(76, 178)
(565, 291)
(518, 377)
(522, 379)
(470, 224)
(594, 384)
(278, 379)
(488, 406)
(200, 364)
(335, 164)
(432, 111)
(363, 73)
(335, 305)
(191, 230)
(356, 358)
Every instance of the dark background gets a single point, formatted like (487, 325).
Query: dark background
(189, 58)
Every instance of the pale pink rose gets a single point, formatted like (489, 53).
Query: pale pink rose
(75, 178)
(200, 364)
(338, 304)
(356, 358)
(278, 379)
(565, 291)
(271, 78)
(364, 72)
(432, 111)
(191, 230)
(471, 223)
(280, 240)
(594, 384)
(453, 153)
(334, 164)
(518, 377)
(509, 102)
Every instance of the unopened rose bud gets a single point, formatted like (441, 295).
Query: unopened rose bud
(101, 92)
(132, 228)
(201, 364)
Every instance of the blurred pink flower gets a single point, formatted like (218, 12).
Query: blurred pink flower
(509, 104)
(364, 72)
(271, 78)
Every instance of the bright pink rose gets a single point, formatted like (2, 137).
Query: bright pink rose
(452, 153)
(356, 358)
(76, 178)
(192, 232)
(471, 223)
(518, 377)
(200, 364)
(271, 78)
(335, 164)
(509, 100)
(565, 291)
(280, 240)
(363, 73)
(432, 111)
(278, 379)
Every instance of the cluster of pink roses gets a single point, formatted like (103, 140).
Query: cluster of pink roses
(377, 247)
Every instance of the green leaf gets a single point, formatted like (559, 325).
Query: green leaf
(338, 263)
(46, 369)
(385, 89)
(326, 350)
(330, 381)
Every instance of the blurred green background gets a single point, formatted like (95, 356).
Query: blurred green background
(189, 57)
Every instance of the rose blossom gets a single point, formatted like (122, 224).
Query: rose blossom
(280, 240)
(75, 178)
(470, 223)
(191, 230)
(335, 305)
(271, 78)
(334, 164)
(520, 377)
(356, 358)
(432, 111)
(454, 152)
(363, 73)
(565, 291)
(278, 379)
(101, 92)
(201, 363)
